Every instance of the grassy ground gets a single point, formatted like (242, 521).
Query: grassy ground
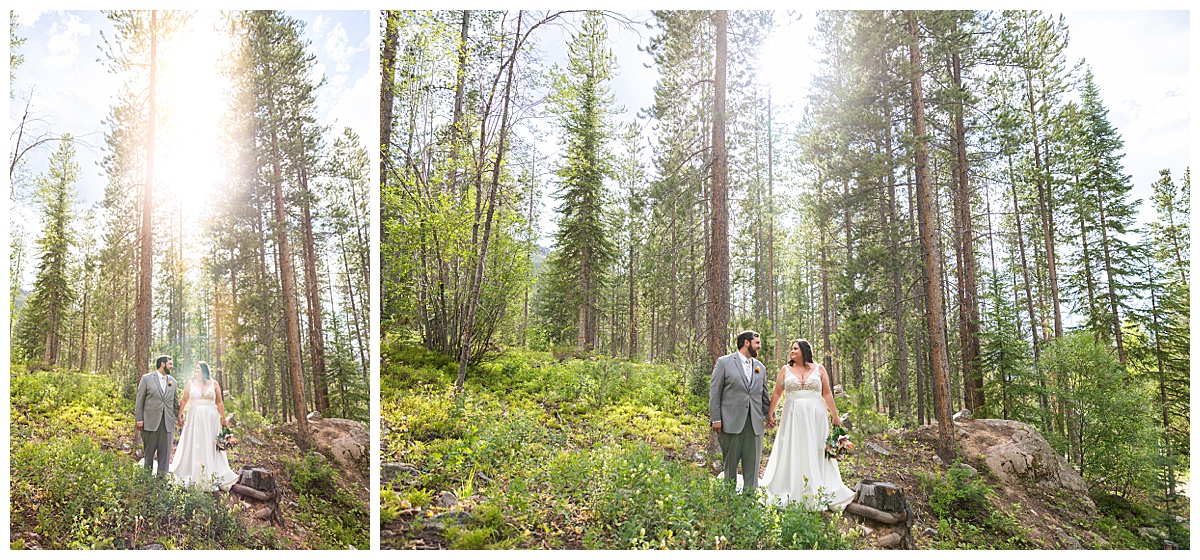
(599, 453)
(75, 483)
(591, 453)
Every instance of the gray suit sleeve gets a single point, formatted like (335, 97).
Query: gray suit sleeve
(766, 395)
(715, 388)
(139, 400)
(175, 405)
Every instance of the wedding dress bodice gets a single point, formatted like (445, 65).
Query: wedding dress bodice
(795, 387)
(205, 395)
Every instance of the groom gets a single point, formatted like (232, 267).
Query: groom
(738, 401)
(155, 409)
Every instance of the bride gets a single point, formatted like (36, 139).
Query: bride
(798, 469)
(197, 459)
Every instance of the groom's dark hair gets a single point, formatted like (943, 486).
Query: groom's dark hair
(745, 337)
(160, 361)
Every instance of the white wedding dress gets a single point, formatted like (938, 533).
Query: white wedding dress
(798, 470)
(197, 460)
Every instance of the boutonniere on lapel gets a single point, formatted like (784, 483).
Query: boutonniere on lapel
(757, 370)
(170, 383)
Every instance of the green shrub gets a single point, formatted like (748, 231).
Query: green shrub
(958, 494)
(340, 521)
(574, 450)
(77, 495)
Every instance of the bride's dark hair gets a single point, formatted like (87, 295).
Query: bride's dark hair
(204, 370)
(805, 352)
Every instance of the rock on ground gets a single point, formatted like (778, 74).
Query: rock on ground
(345, 441)
(1028, 457)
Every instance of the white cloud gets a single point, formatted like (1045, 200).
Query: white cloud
(28, 18)
(1140, 63)
(353, 108)
(63, 44)
(339, 49)
(318, 25)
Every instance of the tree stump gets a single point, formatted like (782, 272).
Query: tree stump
(257, 486)
(884, 504)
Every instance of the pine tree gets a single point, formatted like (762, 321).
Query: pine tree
(584, 248)
(1106, 183)
(42, 324)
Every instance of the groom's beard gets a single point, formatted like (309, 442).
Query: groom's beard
(753, 353)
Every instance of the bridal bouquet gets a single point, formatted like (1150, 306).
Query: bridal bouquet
(226, 439)
(838, 444)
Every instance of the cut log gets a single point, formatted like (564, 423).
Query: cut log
(252, 493)
(882, 496)
(880, 516)
(258, 479)
(884, 503)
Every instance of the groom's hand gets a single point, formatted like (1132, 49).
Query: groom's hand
(140, 425)
(770, 422)
(716, 426)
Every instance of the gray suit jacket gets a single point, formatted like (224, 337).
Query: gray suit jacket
(155, 407)
(731, 400)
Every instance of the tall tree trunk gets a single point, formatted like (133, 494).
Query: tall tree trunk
(141, 357)
(83, 317)
(387, 89)
(287, 276)
(1033, 322)
(583, 340)
(1085, 252)
(459, 87)
(473, 304)
(929, 234)
(1108, 269)
(1162, 391)
(362, 345)
(826, 330)
(893, 219)
(632, 276)
(718, 265)
(316, 334)
(969, 302)
(1044, 210)
(533, 242)
(773, 304)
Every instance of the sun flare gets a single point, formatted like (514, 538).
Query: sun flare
(192, 91)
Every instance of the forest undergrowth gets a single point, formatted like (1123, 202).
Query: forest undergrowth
(76, 483)
(597, 453)
(591, 453)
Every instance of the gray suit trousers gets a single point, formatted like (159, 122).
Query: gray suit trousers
(744, 448)
(158, 442)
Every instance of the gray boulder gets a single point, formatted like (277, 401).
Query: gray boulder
(1028, 457)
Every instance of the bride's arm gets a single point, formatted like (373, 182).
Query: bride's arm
(220, 404)
(182, 404)
(827, 394)
(777, 393)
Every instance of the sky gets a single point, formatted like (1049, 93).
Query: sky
(1140, 59)
(72, 91)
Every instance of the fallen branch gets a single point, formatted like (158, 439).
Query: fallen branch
(252, 493)
(877, 515)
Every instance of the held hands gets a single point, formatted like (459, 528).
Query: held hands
(141, 425)
(716, 427)
(771, 423)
